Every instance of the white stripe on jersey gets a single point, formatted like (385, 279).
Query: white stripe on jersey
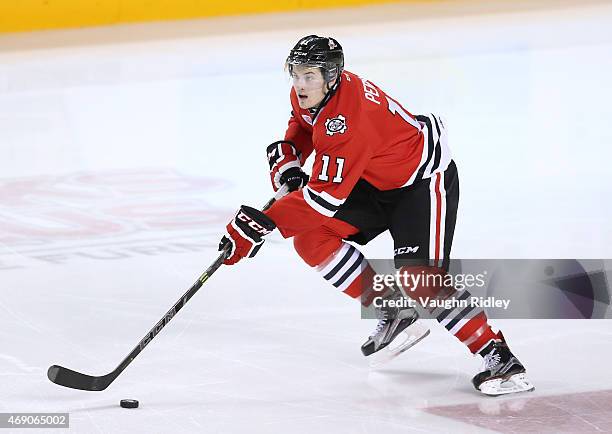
(424, 154)
(314, 205)
(439, 142)
(429, 170)
(323, 202)
(447, 155)
(331, 199)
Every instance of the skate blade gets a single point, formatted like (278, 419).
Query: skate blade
(513, 384)
(408, 338)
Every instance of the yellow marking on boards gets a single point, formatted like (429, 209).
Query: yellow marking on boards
(27, 15)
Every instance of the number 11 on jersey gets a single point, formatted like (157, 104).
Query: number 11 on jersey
(323, 176)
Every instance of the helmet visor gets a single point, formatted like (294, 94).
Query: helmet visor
(306, 76)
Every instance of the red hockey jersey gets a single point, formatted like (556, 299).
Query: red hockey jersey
(360, 133)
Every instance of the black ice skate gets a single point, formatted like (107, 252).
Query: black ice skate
(502, 372)
(397, 330)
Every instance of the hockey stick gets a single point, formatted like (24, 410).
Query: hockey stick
(75, 380)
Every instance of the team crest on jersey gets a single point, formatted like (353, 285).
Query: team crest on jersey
(335, 125)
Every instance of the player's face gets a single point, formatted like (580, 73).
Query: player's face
(309, 85)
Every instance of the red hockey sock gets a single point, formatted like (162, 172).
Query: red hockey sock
(468, 324)
(476, 333)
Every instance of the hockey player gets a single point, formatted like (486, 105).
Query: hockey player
(377, 167)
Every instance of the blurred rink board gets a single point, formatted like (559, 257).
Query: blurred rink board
(31, 15)
(26, 15)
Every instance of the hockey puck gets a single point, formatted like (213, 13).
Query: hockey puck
(128, 403)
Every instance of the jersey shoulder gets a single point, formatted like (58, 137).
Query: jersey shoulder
(341, 117)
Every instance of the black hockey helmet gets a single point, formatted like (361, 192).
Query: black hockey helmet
(323, 52)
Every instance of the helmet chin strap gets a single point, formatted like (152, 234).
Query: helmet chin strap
(331, 90)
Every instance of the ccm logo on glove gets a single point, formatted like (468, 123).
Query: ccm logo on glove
(259, 229)
(245, 234)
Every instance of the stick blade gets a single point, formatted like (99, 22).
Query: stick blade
(75, 380)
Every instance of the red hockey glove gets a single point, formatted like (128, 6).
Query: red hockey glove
(245, 234)
(285, 166)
